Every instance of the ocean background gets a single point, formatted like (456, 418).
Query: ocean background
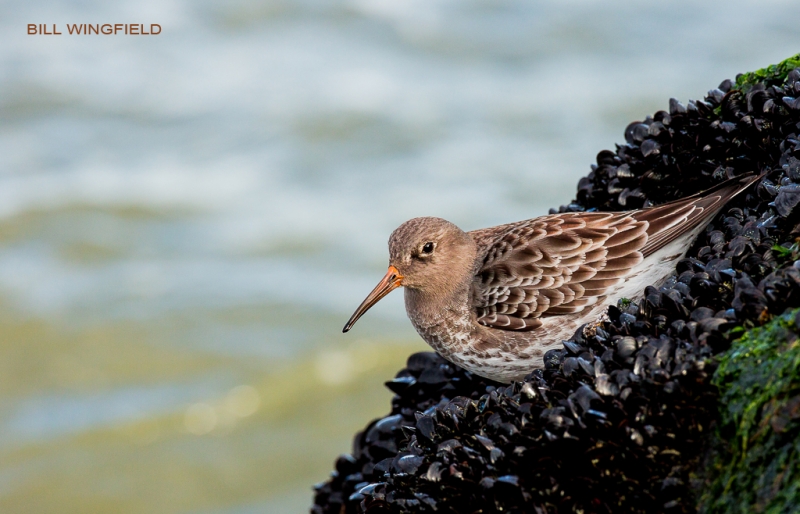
(187, 220)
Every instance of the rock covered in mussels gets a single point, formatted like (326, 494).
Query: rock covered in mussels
(618, 420)
(427, 382)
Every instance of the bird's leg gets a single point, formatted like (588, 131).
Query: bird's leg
(590, 329)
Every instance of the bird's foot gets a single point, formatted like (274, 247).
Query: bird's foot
(590, 329)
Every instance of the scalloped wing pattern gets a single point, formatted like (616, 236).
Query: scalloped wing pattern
(557, 264)
(565, 263)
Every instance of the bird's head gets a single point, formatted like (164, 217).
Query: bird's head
(428, 255)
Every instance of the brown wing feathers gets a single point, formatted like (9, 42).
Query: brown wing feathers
(553, 265)
(669, 221)
(564, 263)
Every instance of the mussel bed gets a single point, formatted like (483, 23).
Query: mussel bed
(623, 420)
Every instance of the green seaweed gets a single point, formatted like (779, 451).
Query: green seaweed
(774, 73)
(786, 253)
(754, 465)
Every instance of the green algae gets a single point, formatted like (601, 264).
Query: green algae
(754, 465)
(775, 73)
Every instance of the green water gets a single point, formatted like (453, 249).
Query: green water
(260, 444)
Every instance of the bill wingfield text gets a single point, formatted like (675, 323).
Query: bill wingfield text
(100, 29)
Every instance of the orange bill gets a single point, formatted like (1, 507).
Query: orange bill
(392, 280)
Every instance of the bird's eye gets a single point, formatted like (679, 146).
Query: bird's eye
(427, 247)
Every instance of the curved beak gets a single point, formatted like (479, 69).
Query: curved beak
(392, 280)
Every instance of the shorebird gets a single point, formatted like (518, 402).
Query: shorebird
(494, 300)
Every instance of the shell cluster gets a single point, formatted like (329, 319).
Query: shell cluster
(619, 419)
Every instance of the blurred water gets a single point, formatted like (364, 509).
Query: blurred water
(187, 213)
